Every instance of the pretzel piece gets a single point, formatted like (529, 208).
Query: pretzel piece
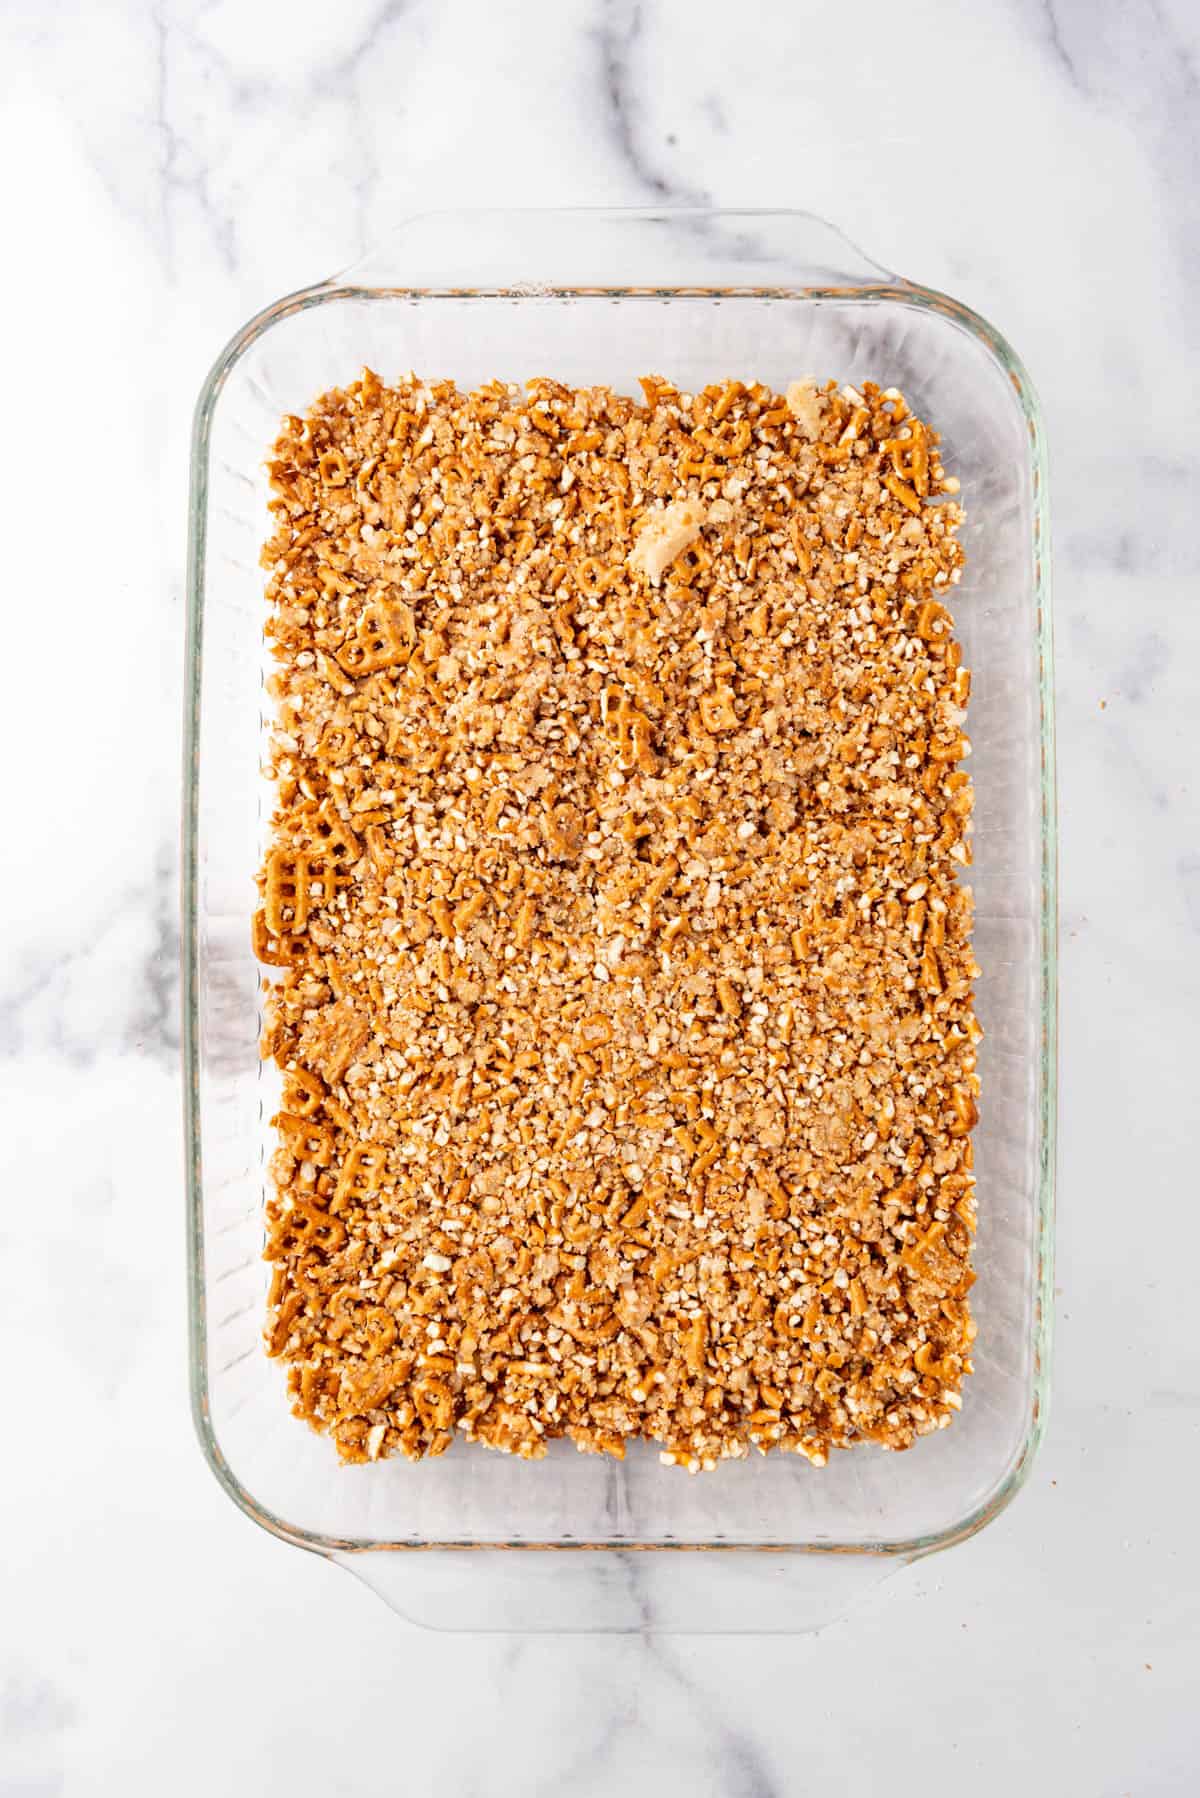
(384, 637)
(362, 1174)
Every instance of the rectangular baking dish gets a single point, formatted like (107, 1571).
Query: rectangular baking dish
(578, 1541)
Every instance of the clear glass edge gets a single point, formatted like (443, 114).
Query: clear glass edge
(892, 288)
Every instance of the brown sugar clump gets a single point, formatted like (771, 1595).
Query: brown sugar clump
(622, 970)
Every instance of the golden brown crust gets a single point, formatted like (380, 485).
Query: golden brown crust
(624, 993)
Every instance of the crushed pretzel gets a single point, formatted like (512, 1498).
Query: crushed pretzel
(620, 965)
(803, 401)
(664, 536)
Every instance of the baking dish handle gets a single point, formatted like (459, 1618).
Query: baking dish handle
(605, 1592)
(631, 250)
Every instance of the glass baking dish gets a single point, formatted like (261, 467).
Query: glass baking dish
(578, 1541)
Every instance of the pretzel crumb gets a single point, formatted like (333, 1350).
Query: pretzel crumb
(620, 964)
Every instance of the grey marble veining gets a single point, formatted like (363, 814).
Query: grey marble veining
(618, 36)
(171, 169)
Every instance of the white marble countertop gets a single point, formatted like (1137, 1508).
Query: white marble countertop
(170, 169)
